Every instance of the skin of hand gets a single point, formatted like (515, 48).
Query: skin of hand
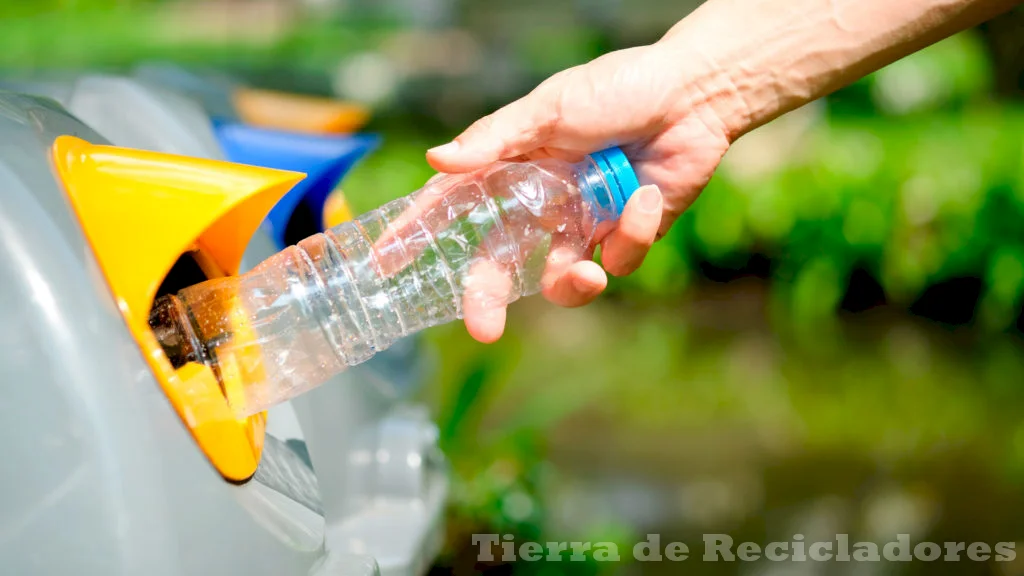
(676, 106)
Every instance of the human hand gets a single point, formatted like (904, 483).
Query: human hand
(674, 107)
(631, 98)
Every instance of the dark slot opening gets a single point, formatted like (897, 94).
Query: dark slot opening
(165, 318)
(184, 273)
(302, 224)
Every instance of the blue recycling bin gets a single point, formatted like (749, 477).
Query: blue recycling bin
(325, 158)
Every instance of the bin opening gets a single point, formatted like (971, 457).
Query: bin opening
(158, 223)
(303, 223)
(324, 159)
(185, 272)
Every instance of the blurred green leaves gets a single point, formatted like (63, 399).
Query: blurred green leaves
(927, 196)
(1005, 288)
(951, 72)
(114, 34)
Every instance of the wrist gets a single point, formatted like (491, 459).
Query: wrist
(720, 95)
(723, 90)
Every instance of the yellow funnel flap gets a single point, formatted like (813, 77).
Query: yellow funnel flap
(141, 211)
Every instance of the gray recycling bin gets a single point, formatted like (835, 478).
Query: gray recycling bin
(349, 481)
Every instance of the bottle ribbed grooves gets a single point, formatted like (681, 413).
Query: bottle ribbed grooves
(320, 303)
(386, 286)
(415, 261)
(414, 265)
(499, 230)
(400, 242)
(446, 267)
(341, 263)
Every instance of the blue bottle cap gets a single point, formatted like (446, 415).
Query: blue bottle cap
(619, 174)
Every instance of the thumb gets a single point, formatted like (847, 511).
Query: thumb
(515, 129)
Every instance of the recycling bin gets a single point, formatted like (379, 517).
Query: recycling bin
(353, 482)
(138, 114)
(325, 160)
(130, 112)
(214, 92)
(227, 99)
(279, 130)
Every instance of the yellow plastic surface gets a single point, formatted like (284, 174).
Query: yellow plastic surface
(140, 212)
(311, 114)
(336, 209)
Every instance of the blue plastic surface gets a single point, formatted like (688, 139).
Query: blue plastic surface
(324, 158)
(619, 174)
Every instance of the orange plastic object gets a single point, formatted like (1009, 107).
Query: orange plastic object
(336, 209)
(312, 114)
(140, 212)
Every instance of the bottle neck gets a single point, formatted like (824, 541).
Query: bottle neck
(174, 330)
(596, 191)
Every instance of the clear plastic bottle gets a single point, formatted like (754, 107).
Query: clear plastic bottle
(334, 300)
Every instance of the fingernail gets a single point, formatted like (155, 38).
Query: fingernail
(445, 149)
(650, 199)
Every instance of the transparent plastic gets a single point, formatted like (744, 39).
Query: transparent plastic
(334, 300)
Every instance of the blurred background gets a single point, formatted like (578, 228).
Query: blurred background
(829, 342)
